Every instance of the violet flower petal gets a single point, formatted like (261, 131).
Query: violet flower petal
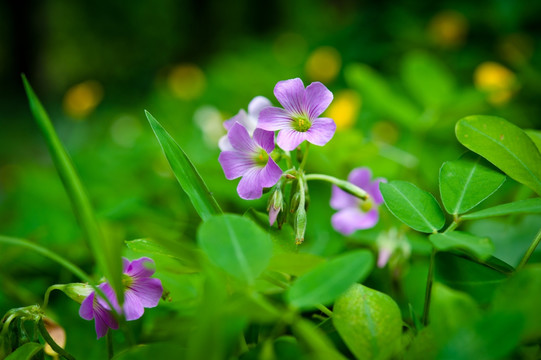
(374, 191)
(224, 144)
(148, 290)
(140, 268)
(270, 174)
(341, 199)
(249, 187)
(290, 94)
(133, 309)
(321, 131)
(360, 177)
(240, 139)
(348, 220)
(273, 214)
(317, 98)
(383, 257)
(235, 164)
(86, 311)
(289, 139)
(265, 139)
(241, 118)
(273, 118)
(257, 104)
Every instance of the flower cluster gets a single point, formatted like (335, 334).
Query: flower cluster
(249, 152)
(140, 291)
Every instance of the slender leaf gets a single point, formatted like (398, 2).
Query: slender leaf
(319, 345)
(236, 245)
(185, 172)
(478, 247)
(466, 182)
(187, 253)
(535, 135)
(414, 207)
(518, 207)
(369, 322)
(106, 251)
(503, 144)
(327, 281)
(25, 352)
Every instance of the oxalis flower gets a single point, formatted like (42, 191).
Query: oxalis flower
(250, 159)
(140, 291)
(354, 213)
(248, 120)
(299, 119)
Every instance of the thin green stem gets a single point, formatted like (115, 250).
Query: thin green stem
(342, 184)
(305, 156)
(530, 251)
(109, 344)
(324, 310)
(47, 293)
(47, 337)
(428, 290)
(452, 226)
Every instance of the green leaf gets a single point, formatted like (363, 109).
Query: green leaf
(520, 294)
(319, 346)
(480, 280)
(294, 263)
(478, 247)
(236, 245)
(327, 281)
(369, 322)
(503, 144)
(466, 182)
(106, 251)
(414, 207)
(185, 172)
(535, 135)
(379, 94)
(25, 352)
(427, 79)
(185, 252)
(518, 207)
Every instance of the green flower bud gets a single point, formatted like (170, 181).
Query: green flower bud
(76, 291)
(300, 225)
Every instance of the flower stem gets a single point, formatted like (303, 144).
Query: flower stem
(324, 310)
(428, 290)
(342, 184)
(47, 337)
(305, 156)
(530, 251)
(47, 293)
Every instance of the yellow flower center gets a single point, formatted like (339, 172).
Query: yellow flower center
(301, 123)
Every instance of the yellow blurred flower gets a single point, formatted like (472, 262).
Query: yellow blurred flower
(448, 28)
(498, 82)
(323, 64)
(81, 99)
(345, 109)
(186, 81)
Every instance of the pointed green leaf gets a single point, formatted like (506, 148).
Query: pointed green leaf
(185, 252)
(327, 281)
(369, 322)
(235, 244)
(478, 247)
(414, 207)
(106, 251)
(427, 79)
(466, 182)
(185, 172)
(535, 135)
(518, 207)
(320, 347)
(25, 352)
(503, 144)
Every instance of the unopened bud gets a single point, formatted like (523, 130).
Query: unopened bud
(300, 225)
(76, 291)
(276, 204)
(352, 189)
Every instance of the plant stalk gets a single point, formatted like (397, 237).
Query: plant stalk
(530, 251)
(428, 291)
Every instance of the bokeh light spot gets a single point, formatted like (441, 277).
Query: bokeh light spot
(323, 64)
(448, 28)
(209, 120)
(345, 109)
(80, 100)
(386, 132)
(125, 131)
(496, 80)
(186, 81)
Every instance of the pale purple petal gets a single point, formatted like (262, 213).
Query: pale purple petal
(110, 294)
(235, 164)
(383, 257)
(290, 94)
(273, 214)
(140, 268)
(321, 131)
(270, 174)
(241, 118)
(341, 199)
(265, 139)
(256, 105)
(240, 139)
(86, 311)
(273, 118)
(224, 144)
(289, 139)
(104, 316)
(249, 187)
(360, 177)
(148, 290)
(317, 98)
(347, 220)
(374, 191)
(133, 309)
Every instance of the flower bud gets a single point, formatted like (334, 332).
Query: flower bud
(276, 204)
(352, 189)
(76, 291)
(300, 225)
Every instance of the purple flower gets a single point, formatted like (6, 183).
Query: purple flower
(248, 120)
(354, 213)
(141, 291)
(250, 159)
(97, 308)
(298, 120)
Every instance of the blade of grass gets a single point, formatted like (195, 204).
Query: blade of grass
(185, 172)
(106, 251)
